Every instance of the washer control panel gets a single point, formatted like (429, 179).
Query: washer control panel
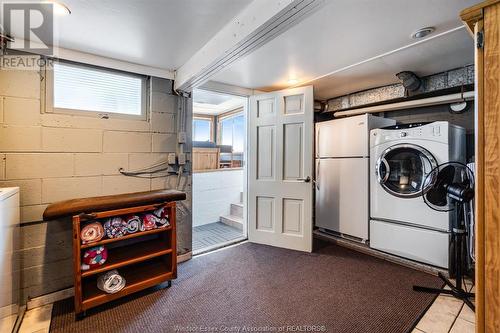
(436, 131)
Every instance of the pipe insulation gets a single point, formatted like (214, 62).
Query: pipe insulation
(416, 103)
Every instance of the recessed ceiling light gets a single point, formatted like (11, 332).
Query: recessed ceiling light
(61, 9)
(421, 33)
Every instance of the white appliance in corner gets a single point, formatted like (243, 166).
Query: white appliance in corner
(342, 174)
(9, 266)
(401, 158)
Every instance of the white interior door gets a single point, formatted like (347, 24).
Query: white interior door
(280, 168)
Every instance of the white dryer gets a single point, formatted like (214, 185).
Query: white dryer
(10, 270)
(401, 156)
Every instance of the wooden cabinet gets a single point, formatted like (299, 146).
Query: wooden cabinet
(205, 158)
(483, 21)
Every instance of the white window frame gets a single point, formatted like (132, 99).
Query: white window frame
(209, 119)
(231, 114)
(49, 95)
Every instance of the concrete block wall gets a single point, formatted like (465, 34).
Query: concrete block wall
(54, 157)
(433, 83)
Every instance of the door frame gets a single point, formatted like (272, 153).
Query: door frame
(482, 21)
(246, 105)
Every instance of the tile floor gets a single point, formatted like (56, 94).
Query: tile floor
(7, 323)
(37, 320)
(213, 234)
(448, 315)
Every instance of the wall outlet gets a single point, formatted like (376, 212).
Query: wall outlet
(171, 159)
(181, 159)
(182, 137)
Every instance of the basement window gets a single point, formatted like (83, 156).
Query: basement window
(83, 89)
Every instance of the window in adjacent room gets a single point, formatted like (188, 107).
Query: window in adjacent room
(78, 88)
(232, 131)
(202, 129)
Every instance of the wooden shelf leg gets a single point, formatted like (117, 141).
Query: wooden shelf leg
(165, 285)
(77, 264)
(81, 315)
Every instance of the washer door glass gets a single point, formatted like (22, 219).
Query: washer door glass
(402, 169)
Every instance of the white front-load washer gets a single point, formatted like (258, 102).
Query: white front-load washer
(401, 157)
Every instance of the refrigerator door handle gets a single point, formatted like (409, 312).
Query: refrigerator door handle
(317, 176)
(316, 145)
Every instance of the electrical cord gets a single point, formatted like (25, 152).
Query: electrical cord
(151, 177)
(150, 167)
(179, 176)
(471, 221)
(145, 172)
(154, 170)
(470, 224)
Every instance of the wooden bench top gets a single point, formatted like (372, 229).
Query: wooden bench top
(109, 202)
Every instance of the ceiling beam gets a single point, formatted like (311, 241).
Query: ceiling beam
(101, 61)
(223, 88)
(258, 23)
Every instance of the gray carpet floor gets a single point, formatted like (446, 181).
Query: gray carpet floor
(265, 289)
(211, 234)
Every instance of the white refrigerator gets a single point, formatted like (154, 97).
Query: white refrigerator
(342, 153)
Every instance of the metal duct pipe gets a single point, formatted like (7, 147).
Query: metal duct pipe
(410, 80)
(445, 99)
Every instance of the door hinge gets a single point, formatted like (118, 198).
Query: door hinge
(480, 39)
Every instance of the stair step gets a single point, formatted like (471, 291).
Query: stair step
(233, 221)
(237, 210)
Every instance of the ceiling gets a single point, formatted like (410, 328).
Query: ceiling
(213, 104)
(346, 46)
(156, 33)
(326, 48)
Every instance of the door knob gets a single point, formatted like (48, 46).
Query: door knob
(305, 180)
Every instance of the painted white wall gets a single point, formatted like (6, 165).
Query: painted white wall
(213, 194)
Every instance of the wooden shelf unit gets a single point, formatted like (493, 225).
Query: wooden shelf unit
(138, 277)
(144, 258)
(129, 236)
